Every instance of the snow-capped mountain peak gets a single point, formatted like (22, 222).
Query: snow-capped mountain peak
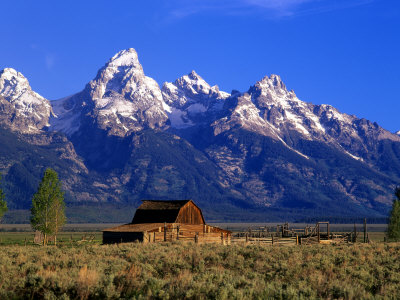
(13, 84)
(121, 74)
(121, 98)
(124, 58)
(273, 86)
(193, 83)
(25, 110)
(190, 88)
(190, 100)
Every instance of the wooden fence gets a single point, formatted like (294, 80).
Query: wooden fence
(195, 233)
(283, 235)
(272, 240)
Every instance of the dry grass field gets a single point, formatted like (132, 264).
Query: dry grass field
(185, 270)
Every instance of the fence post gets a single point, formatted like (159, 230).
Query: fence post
(145, 237)
(222, 238)
(297, 239)
(154, 236)
(319, 238)
(247, 238)
(272, 240)
(328, 231)
(355, 233)
(196, 237)
(365, 230)
(177, 232)
(165, 231)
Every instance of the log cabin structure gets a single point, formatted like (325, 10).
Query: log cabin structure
(162, 221)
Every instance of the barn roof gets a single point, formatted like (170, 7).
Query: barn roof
(158, 211)
(163, 204)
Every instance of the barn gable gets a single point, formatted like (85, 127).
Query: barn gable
(190, 213)
(176, 211)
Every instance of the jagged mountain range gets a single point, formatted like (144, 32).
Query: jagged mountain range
(262, 153)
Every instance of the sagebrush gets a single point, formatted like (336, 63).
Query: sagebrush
(185, 270)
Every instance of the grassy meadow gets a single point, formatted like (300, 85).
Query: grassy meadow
(22, 234)
(185, 270)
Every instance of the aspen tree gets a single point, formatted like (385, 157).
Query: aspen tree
(48, 207)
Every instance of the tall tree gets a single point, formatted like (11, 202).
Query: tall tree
(393, 232)
(3, 203)
(48, 208)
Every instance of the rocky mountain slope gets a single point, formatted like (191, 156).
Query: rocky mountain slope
(262, 153)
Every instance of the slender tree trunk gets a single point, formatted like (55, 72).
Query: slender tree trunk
(46, 226)
(56, 228)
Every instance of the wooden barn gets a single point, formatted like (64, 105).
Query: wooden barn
(158, 221)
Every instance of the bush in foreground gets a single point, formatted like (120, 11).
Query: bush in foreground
(177, 270)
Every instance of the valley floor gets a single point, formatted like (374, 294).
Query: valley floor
(21, 234)
(185, 270)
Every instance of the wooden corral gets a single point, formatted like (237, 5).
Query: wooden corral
(284, 235)
(165, 221)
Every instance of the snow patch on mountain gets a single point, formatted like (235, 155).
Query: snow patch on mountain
(179, 119)
(353, 156)
(64, 119)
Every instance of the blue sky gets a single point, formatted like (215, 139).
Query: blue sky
(339, 52)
